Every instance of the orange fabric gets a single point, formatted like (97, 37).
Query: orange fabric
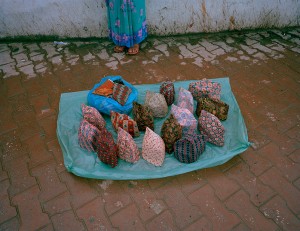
(105, 89)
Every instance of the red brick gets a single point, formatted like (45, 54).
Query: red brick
(288, 118)
(259, 193)
(241, 227)
(81, 191)
(223, 186)
(295, 156)
(19, 175)
(214, 210)
(256, 162)
(59, 204)
(66, 221)
(191, 181)
(257, 139)
(29, 129)
(4, 185)
(184, 211)
(54, 147)
(277, 210)
(288, 168)
(241, 204)
(29, 208)
(6, 210)
(297, 183)
(33, 87)
(47, 228)
(294, 133)
(156, 183)
(9, 225)
(12, 147)
(285, 189)
(162, 222)
(94, 215)
(14, 86)
(289, 83)
(41, 106)
(7, 124)
(148, 205)
(49, 181)
(37, 150)
(127, 219)
(114, 195)
(229, 164)
(49, 126)
(3, 174)
(202, 224)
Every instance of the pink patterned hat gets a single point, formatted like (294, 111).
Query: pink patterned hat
(153, 148)
(185, 118)
(205, 88)
(211, 127)
(128, 150)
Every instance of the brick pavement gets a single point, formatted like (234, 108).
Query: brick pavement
(257, 190)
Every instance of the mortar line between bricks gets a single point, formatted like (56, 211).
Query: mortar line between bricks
(254, 206)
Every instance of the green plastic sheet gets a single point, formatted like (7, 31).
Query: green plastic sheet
(86, 164)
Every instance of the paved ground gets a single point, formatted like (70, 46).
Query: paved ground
(257, 190)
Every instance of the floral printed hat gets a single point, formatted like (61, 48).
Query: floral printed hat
(205, 88)
(127, 148)
(93, 116)
(157, 104)
(211, 127)
(213, 106)
(153, 150)
(88, 136)
(185, 118)
(107, 150)
(171, 131)
(185, 100)
(143, 116)
(168, 91)
(189, 148)
(125, 122)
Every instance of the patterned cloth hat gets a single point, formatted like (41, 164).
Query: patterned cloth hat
(185, 100)
(88, 136)
(157, 104)
(93, 116)
(121, 93)
(105, 89)
(213, 106)
(211, 127)
(153, 149)
(189, 148)
(143, 116)
(125, 122)
(168, 91)
(185, 118)
(171, 131)
(127, 148)
(107, 150)
(205, 88)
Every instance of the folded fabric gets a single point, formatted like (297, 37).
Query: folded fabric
(143, 116)
(125, 122)
(205, 88)
(88, 136)
(107, 150)
(168, 91)
(93, 116)
(213, 106)
(185, 100)
(153, 148)
(189, 148)
(171, 131)
(127, 148)
(105, 89)
(185, 118)
(211, 127)
(157, 104)
(121, 93)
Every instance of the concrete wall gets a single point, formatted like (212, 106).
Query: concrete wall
(87, 18)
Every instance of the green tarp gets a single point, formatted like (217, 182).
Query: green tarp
(86, 164)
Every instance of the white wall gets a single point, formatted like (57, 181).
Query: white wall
(87, 18)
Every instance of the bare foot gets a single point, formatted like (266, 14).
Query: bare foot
(134, 49)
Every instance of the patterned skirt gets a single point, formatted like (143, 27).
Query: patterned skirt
(126, 21)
